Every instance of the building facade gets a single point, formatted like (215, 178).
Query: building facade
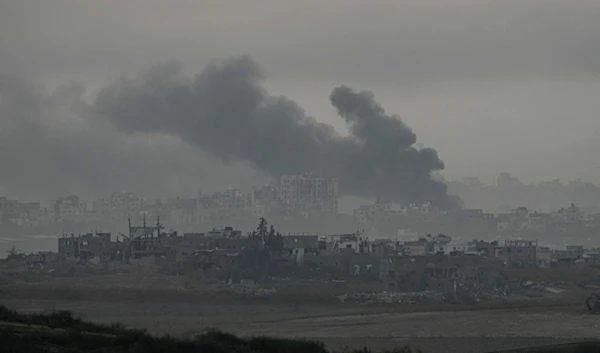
(308, 192)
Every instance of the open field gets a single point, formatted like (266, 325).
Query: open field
(433, 331)
(177, 305)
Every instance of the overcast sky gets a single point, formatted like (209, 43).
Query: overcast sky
(493, 86)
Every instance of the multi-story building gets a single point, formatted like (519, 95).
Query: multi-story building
(86, 245)
(22, 213)
(505, 180)
(307, 192)
(519, 253)
(13, 211)
(220, 207)
(446, 274)
(69, 208)
(183, 211)
(377, 211)
(119, 206)
(10, 209)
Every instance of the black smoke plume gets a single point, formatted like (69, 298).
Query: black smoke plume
(225, 111)
(52, 145)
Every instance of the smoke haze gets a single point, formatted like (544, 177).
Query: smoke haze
(52, 145)
(225, 111)
(477, 80)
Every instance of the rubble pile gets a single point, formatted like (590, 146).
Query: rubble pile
(253, 291)
(49, 264)
(538, 289)
(392, 297)
(476, 292)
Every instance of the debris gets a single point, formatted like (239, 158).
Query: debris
(553, 290)
(593, 303)
(253, 291)
(392, 297)
(536, 289)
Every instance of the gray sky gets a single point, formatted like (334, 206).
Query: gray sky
(492, 85)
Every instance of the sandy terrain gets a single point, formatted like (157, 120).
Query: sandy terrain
(435, 331)
(177, 306)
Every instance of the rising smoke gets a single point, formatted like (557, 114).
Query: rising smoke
(52, 145)
(225, 111)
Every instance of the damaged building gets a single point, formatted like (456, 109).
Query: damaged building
(447, 274)
(86, 246)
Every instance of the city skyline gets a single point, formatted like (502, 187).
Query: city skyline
(510, 97)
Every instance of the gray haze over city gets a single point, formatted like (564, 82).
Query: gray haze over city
(361, 175)
(97, 97)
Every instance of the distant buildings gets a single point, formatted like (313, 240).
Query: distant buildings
(69, 208)
(309, 192)
(381, 211)
(519, 253)
(378, 210)
(19, 213)
(505, 180)
(119, 206)
(86, 245)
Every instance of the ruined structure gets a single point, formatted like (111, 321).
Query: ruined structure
(446, 274)
(518, 253)
(86, 245)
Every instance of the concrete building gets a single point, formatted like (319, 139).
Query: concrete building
(519, 253)
(10, 209)
(119, 206)
(377, 211)
(507, 181)
(22, 213)
(309, 243)
(571, 254)
(543, 257)
(86, 245)
(354, 243)
(415, 247)
(438, 272)
(347, 263)
(220, 208)
(309, 192)
(228, 240)
(484, 248)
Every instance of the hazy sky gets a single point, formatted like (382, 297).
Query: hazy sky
(492, 85)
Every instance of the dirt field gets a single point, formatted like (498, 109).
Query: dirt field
(176, 306)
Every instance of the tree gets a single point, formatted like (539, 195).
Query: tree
(14, 252)
(261, 233)
(274, 240)
(271, 232)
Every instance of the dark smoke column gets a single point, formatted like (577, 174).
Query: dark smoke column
(225, 111)
(387, 165)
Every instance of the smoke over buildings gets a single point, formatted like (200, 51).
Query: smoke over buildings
(226, 112)
(51, 145)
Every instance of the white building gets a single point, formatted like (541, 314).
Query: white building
(119, 206)
(378, 210)
(70, 208)
(309, 192)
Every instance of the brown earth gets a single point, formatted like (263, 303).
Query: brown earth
(180, 306)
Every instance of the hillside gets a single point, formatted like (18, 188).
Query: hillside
(61, 332)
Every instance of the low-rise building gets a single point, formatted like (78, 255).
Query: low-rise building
(518, 253)
(543, 257)
(86, 245)
(438, 272)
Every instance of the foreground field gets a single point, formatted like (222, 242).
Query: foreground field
(378, 328)
(176, 306)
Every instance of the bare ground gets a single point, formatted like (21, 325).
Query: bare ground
(177, 306)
